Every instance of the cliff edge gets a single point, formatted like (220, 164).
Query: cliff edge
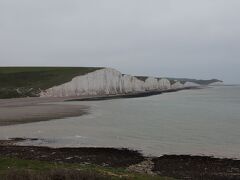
(80, 81)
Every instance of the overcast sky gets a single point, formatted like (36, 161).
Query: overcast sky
(177, 38)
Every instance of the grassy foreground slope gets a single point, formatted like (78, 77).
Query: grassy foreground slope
(19, 169)
(27, 81)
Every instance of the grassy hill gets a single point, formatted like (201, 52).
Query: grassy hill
(27, 81)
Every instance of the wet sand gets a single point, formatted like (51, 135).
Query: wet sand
(26, 110)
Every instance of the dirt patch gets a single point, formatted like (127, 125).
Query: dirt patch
(197, 167)
(145, 167)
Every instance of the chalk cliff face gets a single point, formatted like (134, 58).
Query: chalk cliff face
(219, 83)
(151, 83)
(108, 81)
(164, 84)
(177, 85)
(191, 84)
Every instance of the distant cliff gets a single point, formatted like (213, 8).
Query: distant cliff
(109, 81)
(71, 81)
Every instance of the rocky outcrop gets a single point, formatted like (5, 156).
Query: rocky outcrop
(107, 81)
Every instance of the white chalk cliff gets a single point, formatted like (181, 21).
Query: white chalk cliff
(108, 81)
(191, 84)
(177, 85)
(216, 84)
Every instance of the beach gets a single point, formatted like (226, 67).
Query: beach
(26, 110)
(155, 136)
(35, 109)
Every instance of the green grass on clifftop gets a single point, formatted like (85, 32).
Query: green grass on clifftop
(28, 80)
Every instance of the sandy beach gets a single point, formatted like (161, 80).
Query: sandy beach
(34, 109)
(26, 110)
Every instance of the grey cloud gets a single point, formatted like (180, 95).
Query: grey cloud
(187, 38)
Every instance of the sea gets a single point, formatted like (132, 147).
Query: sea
(197, 122)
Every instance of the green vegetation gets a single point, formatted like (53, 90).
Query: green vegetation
(17, 169)
(27, 81)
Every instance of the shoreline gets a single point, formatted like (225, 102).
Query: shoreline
(175, 166)
(34, 109)
(169, 165)
(29, 110)
(131, 95)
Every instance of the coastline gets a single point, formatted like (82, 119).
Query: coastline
(131, 95)
(28, 110)
(35, 109)
(114, 159)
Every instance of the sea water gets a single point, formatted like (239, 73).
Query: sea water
(199, 122)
